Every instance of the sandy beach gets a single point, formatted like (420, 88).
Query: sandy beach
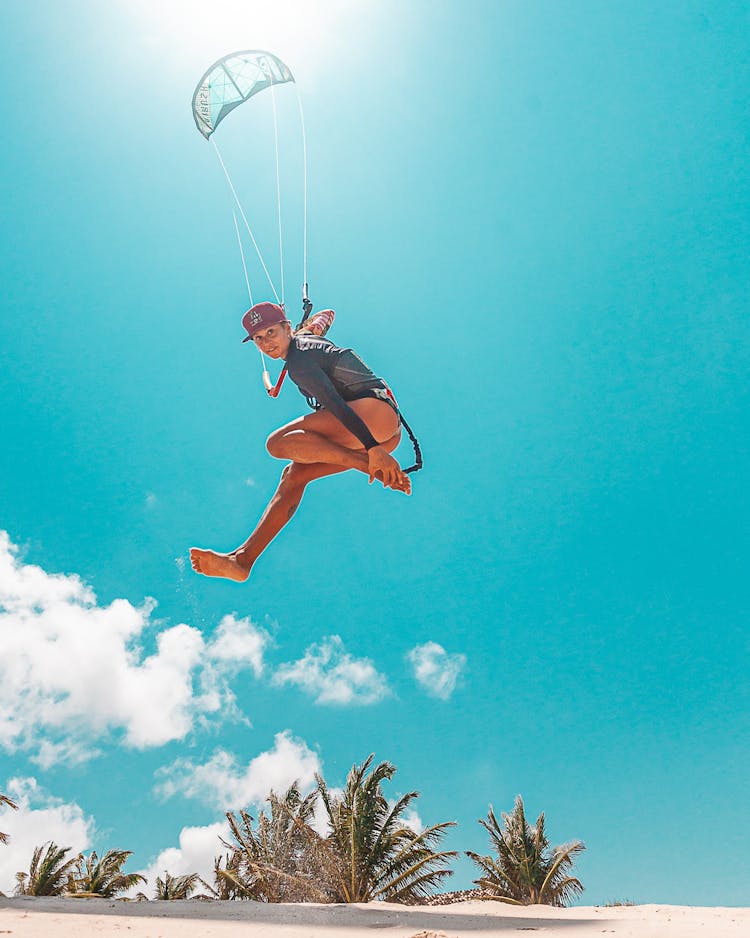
(65, 918)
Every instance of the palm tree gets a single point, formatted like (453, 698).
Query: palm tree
(49, 874)
(175, 887)
(5, 800)
(225, 880)
(104, 877)
(277, 859)
(373, 854)
(526, 871)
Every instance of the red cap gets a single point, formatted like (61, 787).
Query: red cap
(260, 317)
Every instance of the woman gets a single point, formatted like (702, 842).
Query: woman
(355, 425)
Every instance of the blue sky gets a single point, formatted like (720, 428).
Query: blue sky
(533, 220)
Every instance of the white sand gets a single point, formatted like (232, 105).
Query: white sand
(91, 918)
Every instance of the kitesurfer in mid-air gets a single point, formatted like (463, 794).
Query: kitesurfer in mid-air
(355, 425)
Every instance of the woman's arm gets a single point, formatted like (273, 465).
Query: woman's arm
(314, 381)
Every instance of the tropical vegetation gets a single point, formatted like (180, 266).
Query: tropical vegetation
(51, 872)
(368, 851)
(373, 853)
(103, 876)
(5, 800)
(176, 887)
(526, 871)
(278, 858)
(348, 845)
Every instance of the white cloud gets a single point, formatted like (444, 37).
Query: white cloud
(435, 669)
(198, 847)
(68, 751)
(330, 674)
(238, 643)
(72, 671)
(39, 818)
(223, 783)
(319, 820)
(410, 818)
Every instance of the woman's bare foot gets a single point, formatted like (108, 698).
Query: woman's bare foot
(209, 563)
(402, 483)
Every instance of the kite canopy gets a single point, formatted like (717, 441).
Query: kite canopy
(231, 81)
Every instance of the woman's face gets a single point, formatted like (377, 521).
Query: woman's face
(274, 340)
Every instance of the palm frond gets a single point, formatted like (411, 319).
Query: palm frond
(5, 800)
(372, 852)
(50, 873)
(103, 876)
(175, 887)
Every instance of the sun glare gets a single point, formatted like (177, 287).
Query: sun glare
(303, 33)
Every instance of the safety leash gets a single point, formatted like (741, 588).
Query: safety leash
(390, 397)
(415, 443)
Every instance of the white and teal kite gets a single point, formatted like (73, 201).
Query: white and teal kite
(231, 81)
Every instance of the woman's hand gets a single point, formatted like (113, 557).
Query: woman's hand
(382, 466)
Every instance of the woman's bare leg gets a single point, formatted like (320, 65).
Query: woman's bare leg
(237, 564)
(295, 477)
(294, 480)
(322, 438)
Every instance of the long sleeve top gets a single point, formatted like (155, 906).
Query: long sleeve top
(329, 377)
